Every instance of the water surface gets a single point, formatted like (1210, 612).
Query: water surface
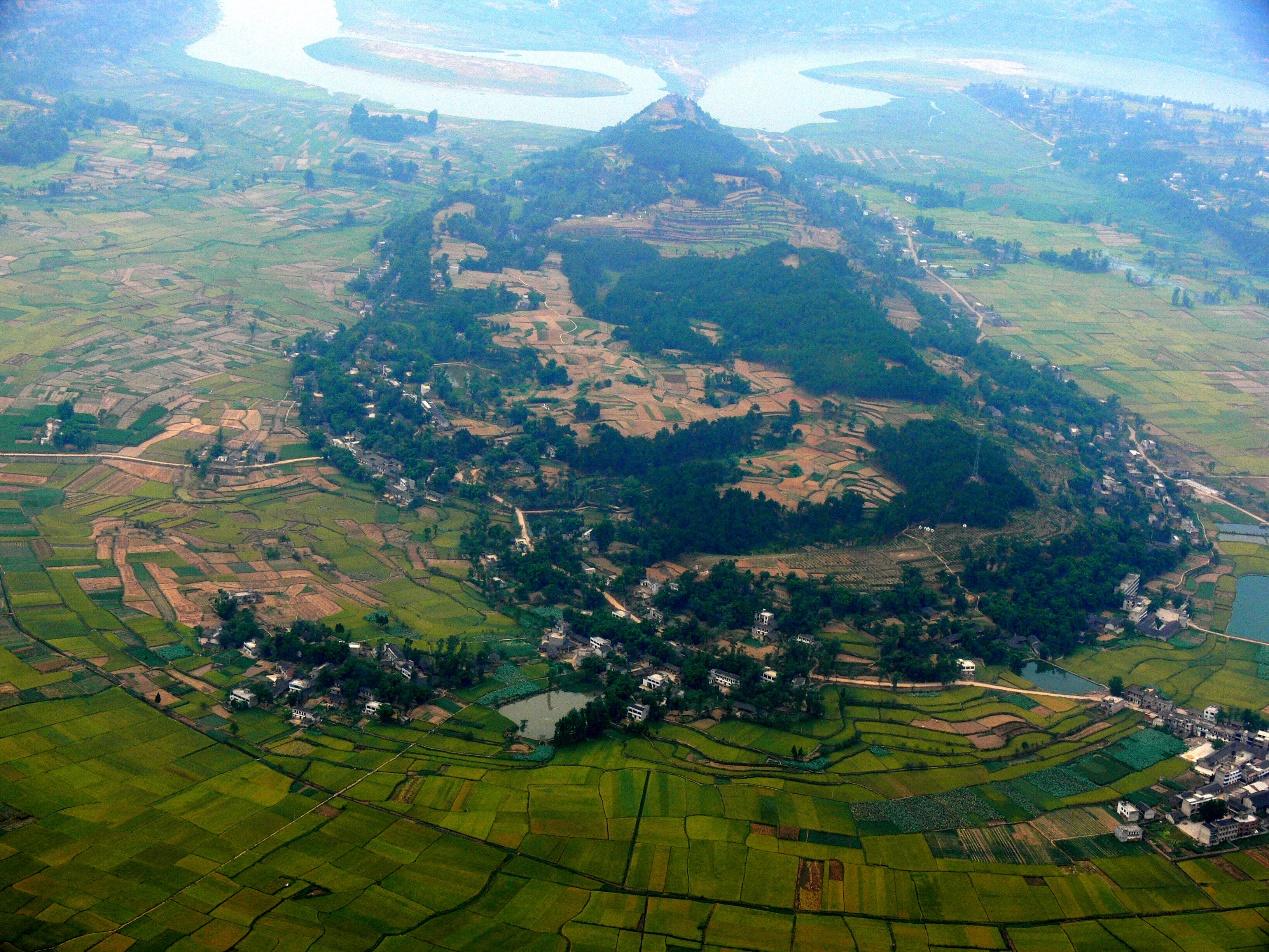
(542, 712)
(1048, 677)
(1251, 608)
(769, 92)
(270, 38)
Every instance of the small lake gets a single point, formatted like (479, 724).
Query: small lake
(1251, 608)
(1048, 677)
(542, 711)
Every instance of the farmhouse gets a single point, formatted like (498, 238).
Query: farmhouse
(966, 667)
(553, 643)
(1129, 585)
(648, 588)
(1128, 811)
(1226, 829)
(638, 712)
(725, 681)
(763, 625)
(1128, 833)
(655, 681)
(241, 697)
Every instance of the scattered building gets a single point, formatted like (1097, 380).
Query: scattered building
(1128, 833)
(1129, 585)
(655, 681)
(725, 681)
(1128, 811)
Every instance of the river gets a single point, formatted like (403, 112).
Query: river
(770, 93)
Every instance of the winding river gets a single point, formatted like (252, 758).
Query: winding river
(770, 93)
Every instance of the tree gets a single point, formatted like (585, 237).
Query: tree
(603, 534)
(1211, 810)
(1116, 686)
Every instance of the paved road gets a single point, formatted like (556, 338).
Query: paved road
(612, 600)
(1132, 435)
(939, 686)
(1221, 634)
(108, 457)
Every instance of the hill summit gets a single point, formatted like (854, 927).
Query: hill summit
(678, 141)
(674, 111)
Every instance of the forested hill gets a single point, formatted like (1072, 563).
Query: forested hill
(672, 147)
(804, 310)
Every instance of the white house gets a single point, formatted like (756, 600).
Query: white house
(1128, 811)
(241, 697)
(770, 675)
(655, 681)
(1211, 713)
(966, 667)
(638, 712)
(725, 681)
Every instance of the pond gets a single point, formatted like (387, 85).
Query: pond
(1048, 677)
(541, 712)
(1251, 609)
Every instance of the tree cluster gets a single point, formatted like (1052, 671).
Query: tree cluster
(388, 127)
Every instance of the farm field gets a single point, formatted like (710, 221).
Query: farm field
(1198, 374)
(306, 836)
(194, 249)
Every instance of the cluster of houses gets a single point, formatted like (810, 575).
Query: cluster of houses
(1207, 724)
(397, 487)
(239, 456)
(658, 680)
(1139, 476)
(1234, 803)
(1162, 623)
(1231, 759)
(285, 683)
